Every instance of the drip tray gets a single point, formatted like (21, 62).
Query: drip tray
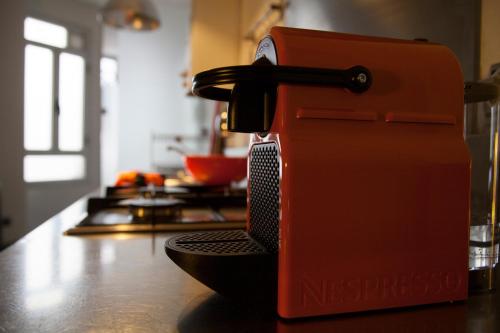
(229, 262)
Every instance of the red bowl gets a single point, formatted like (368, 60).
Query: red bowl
(216, 169)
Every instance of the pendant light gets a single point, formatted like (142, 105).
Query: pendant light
(131, 14)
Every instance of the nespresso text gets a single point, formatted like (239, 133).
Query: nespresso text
(324, 292)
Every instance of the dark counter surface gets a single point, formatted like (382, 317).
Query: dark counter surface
(126, 283)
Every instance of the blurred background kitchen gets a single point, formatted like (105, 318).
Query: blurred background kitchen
(121, 94)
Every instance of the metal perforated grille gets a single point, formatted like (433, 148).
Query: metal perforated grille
(217, 243)
(264, 195)
(212, 236)
(223, 248)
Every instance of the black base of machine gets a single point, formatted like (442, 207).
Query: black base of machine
(229, 262)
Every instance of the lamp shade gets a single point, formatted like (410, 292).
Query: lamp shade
(131, 14)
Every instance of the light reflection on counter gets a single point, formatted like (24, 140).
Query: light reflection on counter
(49, 263)
(123, 236)
(39, 263)
(107, 254)
(43, 299)
(71, 259)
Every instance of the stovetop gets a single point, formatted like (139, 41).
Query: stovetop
(161, 209)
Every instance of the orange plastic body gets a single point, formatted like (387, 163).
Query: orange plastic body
(374, 186)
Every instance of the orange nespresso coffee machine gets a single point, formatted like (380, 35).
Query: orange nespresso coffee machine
(358, 176)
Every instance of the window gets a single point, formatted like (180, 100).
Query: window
(109, 119)
(45, 33)
(38, 84)
(71, 101)
(53, 167)
(54, 102)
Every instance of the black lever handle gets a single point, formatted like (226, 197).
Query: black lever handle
(357, 79)
(252, 100)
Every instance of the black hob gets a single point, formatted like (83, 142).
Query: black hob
(161, 209)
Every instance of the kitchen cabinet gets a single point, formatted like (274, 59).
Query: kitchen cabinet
(214, 34)
(226, 32)
(490, 43)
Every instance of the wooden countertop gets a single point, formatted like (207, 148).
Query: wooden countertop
(126, 283)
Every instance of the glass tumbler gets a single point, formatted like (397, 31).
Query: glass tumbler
(481, 127)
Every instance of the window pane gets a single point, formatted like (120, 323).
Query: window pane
(40, 168)
(109, 71)
(71, 101)
(38, 108)
(45, 32)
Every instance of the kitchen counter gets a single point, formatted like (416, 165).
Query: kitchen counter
(126, 283)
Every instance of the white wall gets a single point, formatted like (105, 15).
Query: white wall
(44, 200)
(11, 118)
(454, 23)
(28, 205)
(152, 99)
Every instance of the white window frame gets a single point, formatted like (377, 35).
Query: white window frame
(54, 150)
